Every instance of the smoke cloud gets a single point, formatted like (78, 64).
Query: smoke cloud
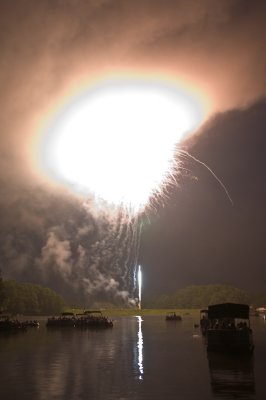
(52, 49)
(84, 257)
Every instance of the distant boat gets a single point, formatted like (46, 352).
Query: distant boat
(87, 319)
(171, 316)
(32, 323)
(67, 319)
(93, 319)
(261, 312)
(228, 328)
(11, 325)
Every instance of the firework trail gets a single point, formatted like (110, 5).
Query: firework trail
(108, 273)
(188, 155)
(139, 285)
(117, 254)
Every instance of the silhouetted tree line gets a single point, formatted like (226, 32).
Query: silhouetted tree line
(29, 299)
(200, 296)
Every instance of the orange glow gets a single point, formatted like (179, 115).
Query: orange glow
(117, 139)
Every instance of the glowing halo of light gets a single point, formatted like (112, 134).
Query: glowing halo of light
(117, 140)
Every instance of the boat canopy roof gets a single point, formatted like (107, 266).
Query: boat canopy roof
(67, 314)
(92, 312)
(228, 310)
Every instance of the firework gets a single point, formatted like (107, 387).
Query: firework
(139, 285)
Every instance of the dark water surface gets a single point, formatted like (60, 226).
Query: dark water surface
(145, 359)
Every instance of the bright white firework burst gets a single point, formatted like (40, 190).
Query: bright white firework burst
(117, 141)
(139, 285)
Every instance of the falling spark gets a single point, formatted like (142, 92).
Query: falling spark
(139, 285)
(185, 153)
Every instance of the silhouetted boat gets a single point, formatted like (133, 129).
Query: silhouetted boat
(66, 319)
(11, 325)
(228, 328)
(87, 319)
(32, 323)
(171, 316)
(93, 319)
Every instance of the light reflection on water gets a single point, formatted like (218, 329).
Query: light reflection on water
(114, 364)
(140, 348)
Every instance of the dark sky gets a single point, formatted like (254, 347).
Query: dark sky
(200, 237)
(51, 49)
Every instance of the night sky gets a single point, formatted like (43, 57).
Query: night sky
(52, 49)
(200, 237)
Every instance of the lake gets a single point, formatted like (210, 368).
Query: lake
(139, 358)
